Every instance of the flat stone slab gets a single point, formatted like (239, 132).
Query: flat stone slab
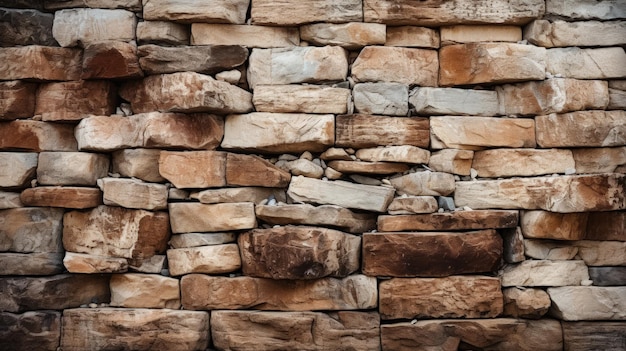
(596, 335)
(65, 196)
(363, 131)
(601, 303)
(270, 12)
(324, 215)
(209, 59)
(457, 220)
(29, 135)
(544, 273)
(213, 259)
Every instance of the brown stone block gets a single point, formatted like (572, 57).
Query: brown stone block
(42, 263)
(188, 11)
(522, 162)
(250, 170)
(424, 184)
(477, 133)
(396, 64)
(162, 33)
(582, 128)
(91, 264)
(208, 59)
(525, 303)
(212, 259)
(606, 226)
(31, 135)
(193, 169)
(596, 335)
(32, 229)
(111, 60)
(134, 290)
(362, 131)
(336, 11)
(26, 27)
(33, 330)
(458, 220)
(550, 225)
(40, 63)
(295, 98)
(600, 160)
(133, 193)
(189, 217)
(17, 99)
(359, 167)
(73, 101)
(66, 197)
(137, 163)
(131, 5)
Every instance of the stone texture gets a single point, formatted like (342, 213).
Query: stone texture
(581, 336)
(476, 133)
(185, 92)
(271, 12)
(137, 163)
(17, 99)
(81, 27)
(29, 230)
(458, 220)
(301, 99)
(525, 303)
(244, 35)
(71, 168)
(239, 194)
(56, 292)
(451, 297)
(411, 36)
(477, 63)
(402, 153)
(562, 194)
(181, 241)
(17, 169)
(363, 131)
(202, 292)
(586, 9)
(193, 169)
(396, 64)
(71, 101)
(26, 27)
(522, 162)
(351, 36)
(9, 200)
(480, 33)
(250, 170)
(90, 264)
(29, 135)
(602, 253)
(133, 290)
(430, 254)
(424, 183)
(601, 303)
(213, 259)
(580, 63)
(381, 98)
(98, 328)
(513, 242)
(544, 273)
(608, 276)
(189, 217)
(297, 65)
(549, 250)
(453, 101)
(360, 167)
(131, 5)
(66, 197)
(133, 193)
(617, 99)
(209, 59)
(42, 263)
(599, 160)
(550, 225)
(151, 130)
(412, 205)
(437, 14)
(278, 132)
(606, 226)
(40, 63)
(582, 128)
(33, 330)
(162, 33)
(189, 11)
(588, 33)
(340, 193)
(111, 60)
(452, 161)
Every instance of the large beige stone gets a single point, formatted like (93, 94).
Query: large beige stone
(599, 160)
(453, 101)
(582, 128)
(41, 263)
(134, 329)
(250, 170)
(193, 169)
(363, 131)
(40, 63)
(77, 197)
(34, 229)
(525, 303)
(600, 303)
(17, 169)
(81, 27)
(451, 297)
(351, 36)
(71, 168)
(33, 330)
(212, 259)
(402, 153)
(480, 33)
(324, 215)
(412, 36)
(476, 133)
(279, 132)
(25, 27)
(71, 101)
(452, 161)
(584, 33)
(185, 92)
(522, 162)
(91, 264)
(271, 12)
(544, 273)
(574, 62)
(133, 290)
(137, 163)
(396, 64)
(340, 193)
(155, 59)
(189, 11)
(301, 99)
(239, 194)
(390, 99)
(596, 335)
(413, 205)
(457, 220)
(151, 130)
(181, 241)
(562, 194)
(30, 135)
(606, 226)
(17, 99)
(586, 9)
(203, 292)
(111, 60)
(550, 225)
(189, 217)
(162, 33)
(244, 35)
(602, 253)
(297, 65)
(133, 193)
(477, 63)
(424, 183)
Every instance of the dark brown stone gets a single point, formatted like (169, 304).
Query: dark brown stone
(26, 27)
(249, 170)
(430, 254)
(156, 59)
(33, 330)
(363, 131)
(110, 60)
(584, 336)
(17, 99)
(606, 226)
(608, 276)
(67, 197)
(31, 135)
(42, 263)
(458, 220)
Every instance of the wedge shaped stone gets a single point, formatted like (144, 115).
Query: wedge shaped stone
(33, 229)
(17, 169)
(585, 9)
(351, 36)
(162, 33)
(62, 196)
(584, 33)
(244, 35)
(40, 263)
(26, 27)
(396, 64)
(301, 99)
(133, 193)
(137, 163)
(601, 303)
(186, 240)
(250, 170)
(29, 135)
(156, 59)
(574, 62)
(189, 11)
(189, 217)
(476, 33)
(239, 194)
(424, 183)
(476, 133)
(33, 330)
(595, 335)
(133, 290)
(324, 215)
(71, 168)
(582, 128)
(111, 60)
(17, 99)
(270, 12)
(458, 220)
(40, 63)
(453, 101)
(213, 259)
(522, 162)
(74, 27)
(544, 273)
(193, 169)
(71, 101)
(363, 131)
(551, 225)
(412, 36)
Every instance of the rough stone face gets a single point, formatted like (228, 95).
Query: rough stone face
(17, 99)
(40, 63)
(297, 65)
(244, 35)
(580, 63)
(412, 205)
(602, 253)
(156, 59)
(549, 250)
(111, 60)
(29, 230)
(26, 27)
(340, 193)
(562, 194)
(213, 259)
(453, 101)
(488, 334)
(402, 153)
(162, 33)
(33, 330)
(582, 128)
(133, 193)
(525, 303)
(9, 200)
(29, 135)
(601, 303)
(181, 241)
(617, 99)
(239, 194)
(362, 131)
(585, 9)
(67, 197)
(137, 163)
(71, 101)
(550, 225)
(458, 220)
(57, 292)
(424, 183)
(513, 241)
(606, 226)
(301, 98)
(250, 170)
(151, 130)
(134, 290)
(189, 11)
(202, 292)
(476, 133)
(451, 297)
(544, 273)
(522, 162)
(381, 98)
(589, 33)
(271, 12)
(71, 168)
(396, 64)
(185, 92)
(17, 169)
(351, 36)
(279, 132)
(98, 328)
(324, 215)
(581, 336)
(295, 252)
(81, 27)
(599, 160)
(452, 161)
(193, 169)
(608, 276)
(477, 63)
(480, 33)
(411, 36)
(42, 263)
(195, 217)
(350, 167)
(90, 264)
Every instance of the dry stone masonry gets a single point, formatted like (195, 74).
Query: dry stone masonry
(313, 175)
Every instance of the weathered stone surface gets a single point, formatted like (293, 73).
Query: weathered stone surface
(279, 132)
(411, 36)
(324, 215)
(244, 35)
(98, 328)
(589, 33)
(550, 225)
(137, 163)
(29, 135)
(599, 160)
(195, 217)
(424, 183)
(458, 220)
(351, 36)
(606, 226)
(580, 63)
(544, 273)
(513, 245)
(52, 293)
(307, 331)
(451, 297)
(185, 92)
(488, 334)
(601, 303)
(340, 193)
(586, 9)
(132, 5)
(300, 98)
(67, 197)
(133, 193)
(438, 14)
(71, 101)
(430, 254)
(412, 205)
(9, 200)
(81, 27)
(111, 60)
(602, 253)
(476, 133)
(250, 170)
(17, 169)
(239, 194)
(156, 59)
(189, 11)
(272, 12)
(581, 336)
(349, 167)
(402, 153)
(42, 263)
(396, 64)
(134, 290)
(71, 168)
(17, 99)
(162, 33)
(608, 276)
(582, 128)
(617, 99)
(490, 63)
(303, 167)
(116, 232)
(381, 98)
(181, 241)
(562, 194)
(213, 259)
(33, 330)
(90, 264)
(27, 27)
(33, 229)
(453, 101)
(297, 65)
(193, 169)
(522, 162)
(202, 292)
(525, 303)
(152, 130)
(452, 161)
(154, 265)
(479, 33)
(40, 63)
(549, 249)
(362, 131)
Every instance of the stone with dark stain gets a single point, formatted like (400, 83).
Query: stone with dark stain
(33, 330)
(458, 220)
(211, 59)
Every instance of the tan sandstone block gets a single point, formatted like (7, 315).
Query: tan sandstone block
(413, 205)
(71, 168)
(402, 153)
(582, 128)
(480, 33)
(162, 33)
(301, 99)
(28, 230)
(196, 217)
(412, 36)
(599, 160)
(544, 273)
(586, 9)
(213, 259)
(457, 220)
(452, 161)
(133, 193)
(71, 101)
(91, 264)
(137, 163)
(244, 35)
(189, 11)
(424, 183)
(574, 62)
(522, 162)
(250, 170)
(601, 303)
(476, 133)
(17, 169)
(525, 303)
(363, 131)
(581, 33)
(550, 225)
(133, 290)
(351, 36)
(193, 169)
(271, 12)
(239, 194)
(79, 27)
(396, 64)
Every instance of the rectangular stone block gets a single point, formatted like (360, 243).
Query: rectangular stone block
(162, 33)
(477, 133)
(250, 170)
(413, 205)
(582, 128)
(361, 167)
(25, 27)
(301, 99)
(453, 101)
(71, 168)
(351, 36)
(544, 273)
(602, 253)
(424, 184)
(401, 154)
(550, 225)
(17, 99)
(586, 9)
(574, 62)
(601, 303)
(133, 193)
(362, 131)
(396, 64)
(42, 263)
(40, 63)
(583, 33)
(120, 57)
(28, 230)
(33, 330)
(480, 33)
(79, 27)
(195, 217)
(336, 11)
(72, 101)
(29, 135)
(412, 36)
(457, 220)
(92, 264)
(213, 259)
(190, 11)
(606, 226)
(137, 163)
(599, 160)
(608, 276)
(582, 336)
(244, 35)
(17, 169)
(239, 194)
(133, 290)
(62, 196)
(549, 250)
(522, 162)
(390, 99)
(193, 169)
(452, 161)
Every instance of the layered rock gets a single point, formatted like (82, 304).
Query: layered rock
(544, 273)
(588, 33)
(162, 33)
(66, 196)
(111, 60)
(522, 162)
(17, 169)
(189, 11)
(29, 135)
(525, 303)
(74, 27)
(453, 101)
(17, 99)
(26, 27)
(137, 163)
(476, 133)
(325, 215)
(396, 64)
(213, 259)
(580, 336)
(300, 99)
(550, 225)
(476, 33)
(582, 9)
(381, 99)
(134, 290)
(363, 131)
(156, 59)
(90, 264)
(424, 183)
(71, 101)
(33, 330)
(244, 35)
(270, 12)
(574, 62)
(351, 36)
(601, 303)
(412, 36)
(412, 204)
(458, 220)
(582, 128)
(132, 193)
(71, 168)
(40, 63)
(189, 217)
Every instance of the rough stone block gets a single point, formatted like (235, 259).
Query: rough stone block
(186, 240)
(582, 128)
(522, 162)
(412, 36)
(162, 33)
(66, 197)
(189, 11)
(476, 133)
(601, 303)
(17, 169)
(608, 276)
(42, 263)
(91, 264)
(550, 225)
(602, 253)
(32, 229)
(26, 27)
(362, 131)
(513, 241)
(525, 303)
(71, 168)
(402, 154)
(111, 60)
(213, 259)
(9, 200)
(29, 135)
(424, 183)
(40, 63)
(208, 59)
(33, 330)
(244, 35)
(133, 290)
(193, 169)
(453, 101)
(351, 36)
(480, 33)
(351, 167)
(599, 160)
(301, 99)
(574, 62)
(137, 163)
(250, 170)
(412, 205)
(133, 193)
(336, 11)
(586, 9)
(71, 101)
(195, 217)
(458, 220)
(544, 273)
(390, 99)
(81, 27)
(452, 161)
(239, 194)
(396, 64)
(584, 33)
(17, 99)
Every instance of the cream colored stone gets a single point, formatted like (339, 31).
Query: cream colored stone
(301, 99)
(134, 290)
(91, 264)
(335, 153)
(17, 169)
(190, 11)
(133, 193)
(479, 33)
(495, 163)
(193, 169)
(412, 204)
(305, 168)
(186, 240)
(452, 161)
(351, 36)
(602, 253)
(544, 273)
(390, 99)
(411, 36)
(71, 168)
(525, 303)
(424, 183)
(213, 259)
(582, 128)
(599, 160)
(453, 101)
(617, 99)
(40, 63)
(402, 153)
(137, 163)
(583, 33)
(244, 35)
(395, 64)
(81, 27)
(189, 217)
(586, 9)
(549, 250)
(580, 63)
(162, 33)
(476, 133)
(600, 303)
(272, 12)
(550, 225)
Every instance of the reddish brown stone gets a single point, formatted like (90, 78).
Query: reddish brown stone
(67, 197)
(458, 220)
(208, 59)
(40, 63)
(362, 131)
(71, 101)
(111, 59)
(17, 99)
(37, 136)
(249, 170)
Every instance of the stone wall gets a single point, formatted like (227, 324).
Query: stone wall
(312, 175)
